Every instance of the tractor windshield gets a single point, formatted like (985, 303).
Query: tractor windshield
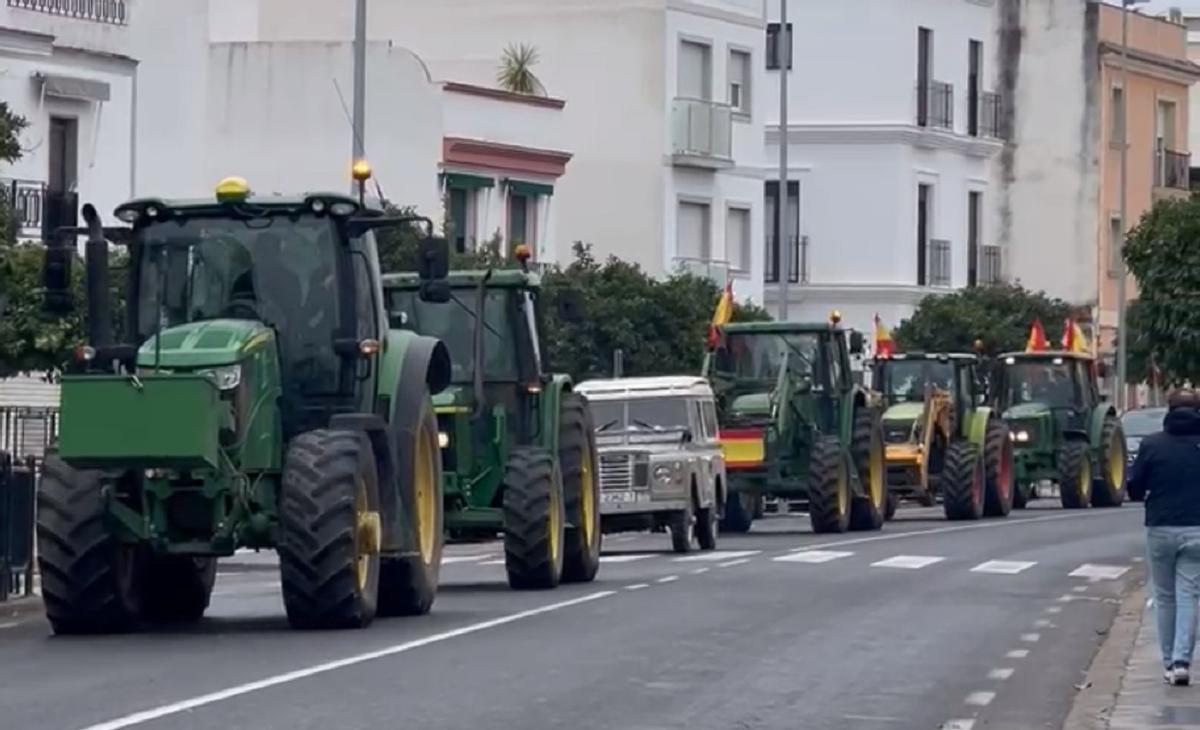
(905, 380)
(279, 269)
(761, 355)
(453, 322)
(1044, 382)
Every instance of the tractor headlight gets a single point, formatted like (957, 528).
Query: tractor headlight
(1021, 436)
(663, 473)
(227, 377)
(443, 439)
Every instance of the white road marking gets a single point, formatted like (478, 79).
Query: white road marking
(667, 579)
(731, 563)
(908, 562)
(958, 725)
(1031, 638)
(995, 524)
(1054, 609)
(1042, 623)
(1003, 567)
(9, 625)
(1065, 598)
(1017, 654)
(1080, 589)
(1138, 560)
(627, 558)
(872, 718)
(716, 555)
(699, 571)
(980, 699)
(466, 559)
(1001, 673)
(1099, 572)
(637, 586)
(493, 562)
(813, 556)
(175, 708)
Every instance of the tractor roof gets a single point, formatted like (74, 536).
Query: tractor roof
(778, 327)
(961, 356)
(1039, 355)
(650, 387)
(468, 279)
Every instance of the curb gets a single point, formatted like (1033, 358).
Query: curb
(1093, 705)
(20, 607)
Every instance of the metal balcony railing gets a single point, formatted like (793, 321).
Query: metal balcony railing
(113, 12)
(990, 265)
(989, 114)
(27, 201)
(1171, 169)
(774, 259)
(702, 129)
(935, 105)
(938, 265)
(715, 270)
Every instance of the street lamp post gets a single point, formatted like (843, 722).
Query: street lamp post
(782, 56)
(1123, 336)
(360, 80)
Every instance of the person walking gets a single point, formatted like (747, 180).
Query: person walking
(1168, 469)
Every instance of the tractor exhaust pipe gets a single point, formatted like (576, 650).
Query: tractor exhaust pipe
(477, 345)
(98, 298)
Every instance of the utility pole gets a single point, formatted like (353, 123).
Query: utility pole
(1122, 274)
(360, 80)
(783, 48)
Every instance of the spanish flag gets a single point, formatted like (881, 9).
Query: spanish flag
(1073, 339)
(1037, 337)
(885, 346)
(721, 316)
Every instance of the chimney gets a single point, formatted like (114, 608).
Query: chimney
(1175, 15)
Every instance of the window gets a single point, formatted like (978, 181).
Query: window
(739, 81)
(773, 41)
(774, 253)
(695, 71)
(710, 419)
(924, 200)
(522, 216)
(1116, 236)
(1117, 115)
(463, 205)
(974, 201)
(692, 234)
(924, 68)
(1164, 126)
(974, 71)
(737, 238)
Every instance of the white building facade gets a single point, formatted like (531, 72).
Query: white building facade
(893, 132)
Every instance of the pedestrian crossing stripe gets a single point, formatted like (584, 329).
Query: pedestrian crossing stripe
(813, 556)
(908, 562)
(1099, 572)
(624, 557)
(717, 555)
(1003, 567)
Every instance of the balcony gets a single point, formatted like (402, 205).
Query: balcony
(701, 134)
(715, 270)
(938, 263)
(38, 211)
(1171, 169)
(112, 12)
(989, 115)
(799, 267)
(935, 105)
(990, 266)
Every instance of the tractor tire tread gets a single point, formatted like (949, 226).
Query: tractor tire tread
(529, 482)
(963, 465)
(1072, 457)
(864, 513)
(1105, 494)
(997, 446)
(581, 559)
(826, 475)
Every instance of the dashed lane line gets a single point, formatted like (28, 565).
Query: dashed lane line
(667, 579)
(1017, 654)
(624, 558)
(637, 586)
(1001, 673)
(980, 699)
(700, 571)
(1003, 567)
(1031, 638)
(731, 563)
(1042, 623)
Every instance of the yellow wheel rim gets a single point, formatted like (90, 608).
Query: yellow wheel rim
(368, 535)
(555, 523)
(1085, 477)
(425, 470)
(843, 492)
(1116, 462)
(587, 494)
(876, 479)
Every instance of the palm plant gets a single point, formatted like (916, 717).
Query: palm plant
(515, 72)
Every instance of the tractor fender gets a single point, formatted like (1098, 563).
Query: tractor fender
(1075, 434)
(858, 399)
(1096, 424)
(975, 428)
(550, 403)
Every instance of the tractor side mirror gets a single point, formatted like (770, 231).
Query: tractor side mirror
(436, 291)
(570, 306)
(56, 279)
(856, 342)
(434, 259)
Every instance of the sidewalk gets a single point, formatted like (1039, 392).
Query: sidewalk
(1144, 701)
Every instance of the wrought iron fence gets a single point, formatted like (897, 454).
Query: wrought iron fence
(990, 271)
(989, 114)
(18, 489)
(1172, 169)
(935, 105)
(27, 201)
(939, 263)
(26, 433)
(799, 260)
(114, 12)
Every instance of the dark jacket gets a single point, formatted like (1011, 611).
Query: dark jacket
(1168, 469)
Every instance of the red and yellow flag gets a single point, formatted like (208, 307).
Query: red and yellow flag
(721, 316)
(1037, 337)
(885, 346)
(1073, 338)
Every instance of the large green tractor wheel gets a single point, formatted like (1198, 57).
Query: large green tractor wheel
(828, 487)
(1075, 475)
(739, 511)
(177, 588)
(1108, 483)
(90, 581)
(868, 511)
(408, 583)
(577, 457)
(330, 530)
(533, 520)
(998, 469)
(963, 482)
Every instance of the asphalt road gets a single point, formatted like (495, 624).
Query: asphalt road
(927, 624)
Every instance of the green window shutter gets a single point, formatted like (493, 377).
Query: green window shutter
(528, 188)
(464, 181)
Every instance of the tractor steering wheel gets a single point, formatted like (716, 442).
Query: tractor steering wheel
(241, 309)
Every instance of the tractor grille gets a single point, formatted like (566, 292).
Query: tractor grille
(623, 471)
(895, 432)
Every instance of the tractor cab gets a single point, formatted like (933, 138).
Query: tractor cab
(1040, 390)
(907, 381)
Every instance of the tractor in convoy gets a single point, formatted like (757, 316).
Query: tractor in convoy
(257, 400)
(794, 425)
(942, 440)
(1062, 430)
(518, 447)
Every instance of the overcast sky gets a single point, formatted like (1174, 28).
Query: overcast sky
(1189, 7)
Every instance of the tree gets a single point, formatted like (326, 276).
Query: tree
(11, 126)
(1163, 253)
(515, 72)
(998, 315)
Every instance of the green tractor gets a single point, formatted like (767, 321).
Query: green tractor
(794, 425)
(517, 443)
(942, 441)
(1062, 429)
(259, 402)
